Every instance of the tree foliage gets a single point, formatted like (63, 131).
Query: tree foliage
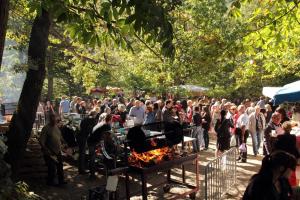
(232, 47)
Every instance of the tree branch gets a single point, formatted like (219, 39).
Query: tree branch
(258, 29)
(154, 52)
(275, 20)
(68, 45)
(297, 19)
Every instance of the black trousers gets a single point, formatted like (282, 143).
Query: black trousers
(92, 158)
(55, 167)
(242, 138)
(81, 158)
(206, 138)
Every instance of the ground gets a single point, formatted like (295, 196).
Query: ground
(78, 185)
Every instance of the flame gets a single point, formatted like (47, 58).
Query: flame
(156, 156)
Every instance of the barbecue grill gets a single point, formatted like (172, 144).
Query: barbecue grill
(153, 139)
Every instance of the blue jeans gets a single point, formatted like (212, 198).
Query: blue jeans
(256, 141)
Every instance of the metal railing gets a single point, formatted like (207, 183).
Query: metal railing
(220, 175)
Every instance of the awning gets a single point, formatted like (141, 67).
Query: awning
(288, 93)
(270, 91)
(193, 88)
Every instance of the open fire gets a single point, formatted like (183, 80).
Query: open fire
(150, 158)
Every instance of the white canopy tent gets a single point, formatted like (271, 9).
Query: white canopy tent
(270, 91)
(193, 88)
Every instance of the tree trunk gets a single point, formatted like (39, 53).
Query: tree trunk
(49, 67)
(50, 87)
(4, 7)
(23, 118)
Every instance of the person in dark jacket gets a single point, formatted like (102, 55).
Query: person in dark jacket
(273, 126)
(197, 132)
(268, 113)
(271, 182)
(206, 120)
(283, 115)
(86, 128)
(223, 133)
(99, 133)
(82, 108)
(287, 142)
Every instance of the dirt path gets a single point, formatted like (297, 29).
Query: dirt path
(78, 185)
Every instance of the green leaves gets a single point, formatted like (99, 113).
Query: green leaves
(236, 4)
(147, 19)
(130, 19)
(215, 40)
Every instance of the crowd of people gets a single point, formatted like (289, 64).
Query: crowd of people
(231, 123)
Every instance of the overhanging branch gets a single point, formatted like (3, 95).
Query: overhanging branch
(148, 47)
(68, 45)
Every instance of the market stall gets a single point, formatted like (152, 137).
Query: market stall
(288, 93)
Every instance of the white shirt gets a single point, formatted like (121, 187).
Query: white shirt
(97, 126)
(243, 120)
(229, 115)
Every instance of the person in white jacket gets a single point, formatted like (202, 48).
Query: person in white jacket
(256, 127)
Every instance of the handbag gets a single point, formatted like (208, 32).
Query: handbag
(243, 147)
(232, 141)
